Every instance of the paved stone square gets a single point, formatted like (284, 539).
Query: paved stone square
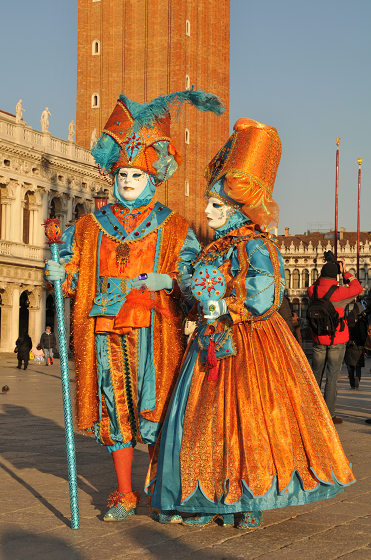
(34, 515)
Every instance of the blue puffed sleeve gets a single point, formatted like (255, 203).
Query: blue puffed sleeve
(259, 280)
(189, 251)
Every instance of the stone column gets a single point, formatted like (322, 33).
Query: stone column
(7, 344)
(13, 324)
(3, 221)
(8, 221)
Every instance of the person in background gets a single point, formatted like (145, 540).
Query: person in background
(23, 345)
(355, 348)
(285, 311)
(38, 353)
(329, 350)
(47, 343)
(297, 331)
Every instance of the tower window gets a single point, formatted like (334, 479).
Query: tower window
(95, 101)
(186, 188)
(187, 82)
(188, 28)
(95, 48)
(186, 136)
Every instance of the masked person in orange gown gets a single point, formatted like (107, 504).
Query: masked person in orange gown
(247, 429)
(121, 262)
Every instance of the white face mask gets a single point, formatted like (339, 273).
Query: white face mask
(217, 212)
(131, 182)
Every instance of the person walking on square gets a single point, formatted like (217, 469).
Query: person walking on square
(355, 347)
(121, 264)
(47, 343)
(329, 349)
(24, 345)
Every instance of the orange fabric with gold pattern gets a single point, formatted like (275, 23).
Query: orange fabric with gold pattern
(247, 421)
(86, 240)
(168, 340)
(249, 161)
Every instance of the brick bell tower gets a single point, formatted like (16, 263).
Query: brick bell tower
(147, 48)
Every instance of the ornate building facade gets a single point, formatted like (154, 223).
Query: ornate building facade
(304, 257)
(146, 49)
(40, 176)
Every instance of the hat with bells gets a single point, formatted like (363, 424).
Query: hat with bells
(247, 165)
(138, 135)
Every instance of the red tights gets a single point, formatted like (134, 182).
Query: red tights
(122, 460)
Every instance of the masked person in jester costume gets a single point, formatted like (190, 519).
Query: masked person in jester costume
(247, 429)
(121, 262)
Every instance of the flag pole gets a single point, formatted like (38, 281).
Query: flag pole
(359, 160)
(53, 235)
(336, 199)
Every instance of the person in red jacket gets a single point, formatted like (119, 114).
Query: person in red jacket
(325, 353)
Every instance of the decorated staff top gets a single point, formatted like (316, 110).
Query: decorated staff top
(208, 282)
(53, 230)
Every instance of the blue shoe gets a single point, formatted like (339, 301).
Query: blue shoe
(167, 516)
(121, 506)
(203, 520)
(199, 520)
(250, 519)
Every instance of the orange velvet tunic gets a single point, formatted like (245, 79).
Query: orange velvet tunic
(81, 283)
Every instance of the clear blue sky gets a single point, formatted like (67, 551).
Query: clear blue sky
(303, 67)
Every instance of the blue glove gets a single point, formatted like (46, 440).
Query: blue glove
(54, 271)
(184, 282)
(154, 282)
(214, 308)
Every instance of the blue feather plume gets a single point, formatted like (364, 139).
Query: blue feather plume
(106, 152)
(147, 113)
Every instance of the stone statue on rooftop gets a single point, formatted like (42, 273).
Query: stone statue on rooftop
(45, 120)
(93, 138)
(71, 131)
(18, 111)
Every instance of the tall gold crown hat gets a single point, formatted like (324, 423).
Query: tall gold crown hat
(244, 171)
(138, 135)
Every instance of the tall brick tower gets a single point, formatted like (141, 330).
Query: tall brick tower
(146, 48)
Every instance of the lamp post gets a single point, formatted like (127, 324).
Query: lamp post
(336, 199)
(359, 213)
(100, 199)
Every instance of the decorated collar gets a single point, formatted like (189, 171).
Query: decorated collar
(112, 227)
(221, 246)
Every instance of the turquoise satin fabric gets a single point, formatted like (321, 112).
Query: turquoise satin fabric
(146, 392)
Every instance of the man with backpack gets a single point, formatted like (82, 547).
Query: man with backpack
(329, 328)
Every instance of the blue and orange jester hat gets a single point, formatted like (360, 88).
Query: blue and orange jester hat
(138, 134)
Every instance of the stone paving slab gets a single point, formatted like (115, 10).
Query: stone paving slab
(34, 517)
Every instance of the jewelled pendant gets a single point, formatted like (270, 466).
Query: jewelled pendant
(122, 255)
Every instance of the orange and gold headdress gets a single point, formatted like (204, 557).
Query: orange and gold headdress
(138, 135)
(248, 164)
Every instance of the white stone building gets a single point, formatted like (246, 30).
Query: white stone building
(40, 177)
(303, 256)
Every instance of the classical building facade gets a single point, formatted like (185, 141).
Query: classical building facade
(146, 49)
(40, 176)
(304, 257)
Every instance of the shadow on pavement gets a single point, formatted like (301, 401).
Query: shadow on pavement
(39, 547)
(34, 442)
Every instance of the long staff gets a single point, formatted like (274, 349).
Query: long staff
(53, 234)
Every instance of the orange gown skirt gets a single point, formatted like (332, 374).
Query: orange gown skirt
(260, 437)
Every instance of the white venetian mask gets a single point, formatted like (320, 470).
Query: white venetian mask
(131, 182)
(217, 212)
